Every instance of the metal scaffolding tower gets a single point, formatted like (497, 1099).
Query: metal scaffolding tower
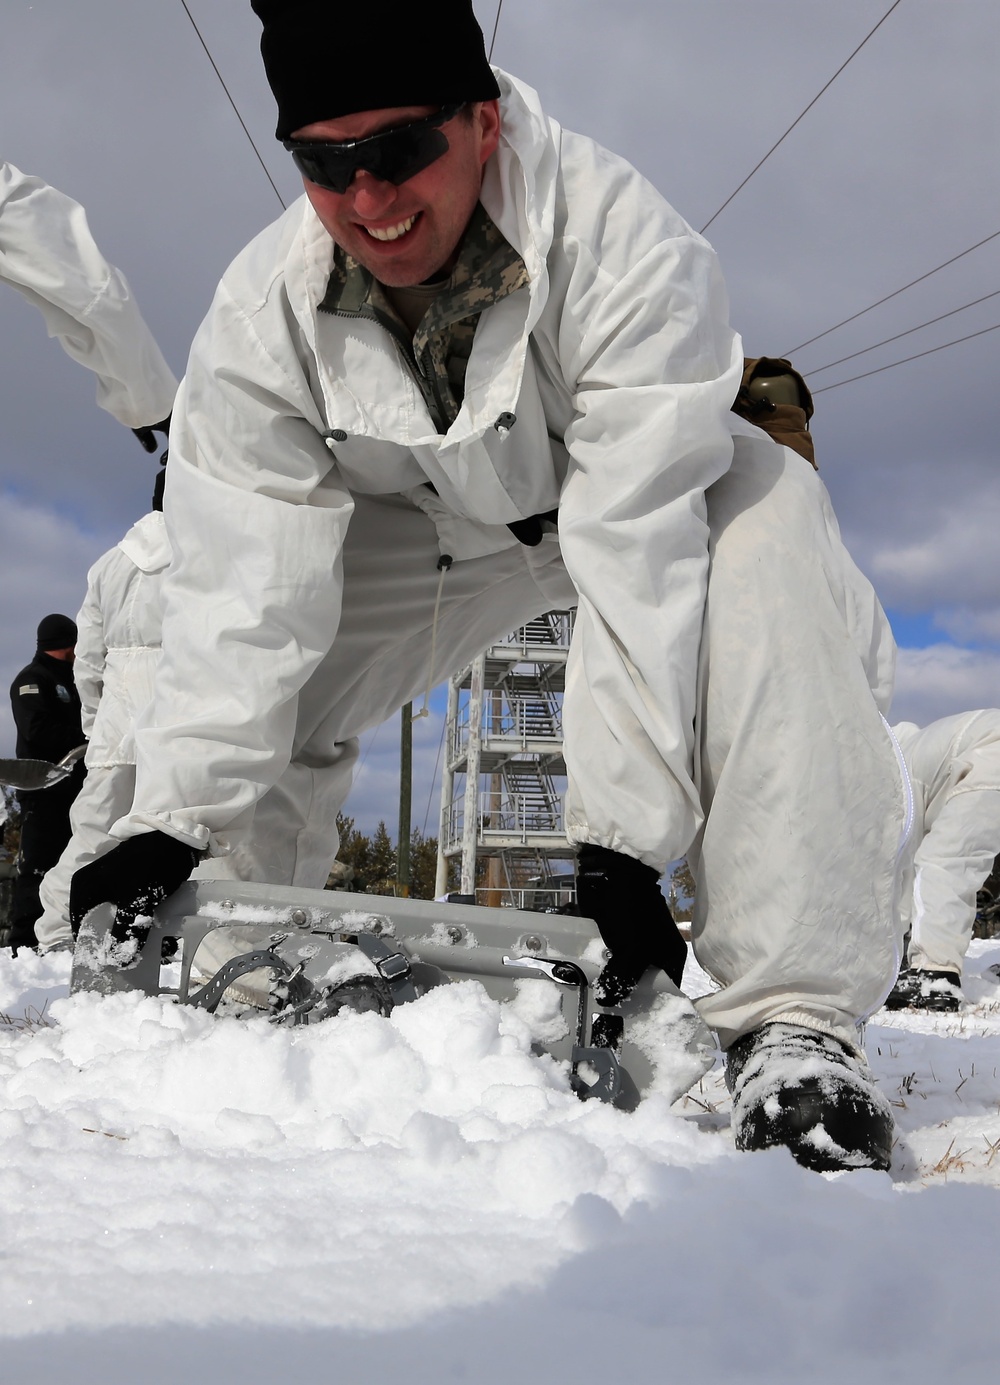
(504, 777)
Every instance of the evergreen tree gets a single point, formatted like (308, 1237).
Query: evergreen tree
(423, 865)
(382, 863)
(355, 851)
(373, 860)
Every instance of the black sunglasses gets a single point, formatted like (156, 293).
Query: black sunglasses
(392, 155)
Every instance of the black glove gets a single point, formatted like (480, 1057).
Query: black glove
(145, 435)
(623, 898)
(136, 876)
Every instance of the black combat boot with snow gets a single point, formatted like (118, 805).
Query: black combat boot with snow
(806, 1090)
(919, 988)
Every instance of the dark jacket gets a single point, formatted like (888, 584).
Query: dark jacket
(46, 707)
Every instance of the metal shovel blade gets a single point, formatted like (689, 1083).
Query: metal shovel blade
(38, 774)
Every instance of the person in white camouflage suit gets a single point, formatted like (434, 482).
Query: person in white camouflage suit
(482, 346)
(954, 767)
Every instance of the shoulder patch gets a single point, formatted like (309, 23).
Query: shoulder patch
(28, 688)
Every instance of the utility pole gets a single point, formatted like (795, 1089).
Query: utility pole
(405, 800)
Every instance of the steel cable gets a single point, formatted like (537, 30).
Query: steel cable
(799, 117)
(249, 136)
(892, 364)
(909, 332)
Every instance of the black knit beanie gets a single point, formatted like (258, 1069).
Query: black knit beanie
(325, 60)
(56, 632)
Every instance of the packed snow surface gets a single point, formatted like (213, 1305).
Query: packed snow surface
(419, 1198)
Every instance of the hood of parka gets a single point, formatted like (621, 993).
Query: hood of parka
(519, 192)
(520, 181)
(146, 544)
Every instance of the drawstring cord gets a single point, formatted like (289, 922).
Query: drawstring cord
(444, 564)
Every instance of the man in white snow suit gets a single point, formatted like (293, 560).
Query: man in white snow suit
(49, 256)
(484, 346)
(117, 654)
(117, 651)
(954, 767)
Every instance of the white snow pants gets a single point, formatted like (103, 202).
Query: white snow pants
(797, 865)
(960, 836)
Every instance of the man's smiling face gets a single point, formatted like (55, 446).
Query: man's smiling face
(406, 234)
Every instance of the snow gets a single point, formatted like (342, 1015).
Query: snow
(419, 1198)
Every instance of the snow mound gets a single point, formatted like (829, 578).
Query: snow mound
(420, 1198)
(169, 1163)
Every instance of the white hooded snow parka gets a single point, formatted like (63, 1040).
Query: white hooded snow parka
(619, 368)
(117, 652)
(118, 643)
(954, 765)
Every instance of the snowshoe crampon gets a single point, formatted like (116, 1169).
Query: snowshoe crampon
(301, 956)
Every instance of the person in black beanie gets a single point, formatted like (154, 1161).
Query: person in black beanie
(431, 54)
(46, 707)
(480, 371)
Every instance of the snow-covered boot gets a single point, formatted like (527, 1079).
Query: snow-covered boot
(805, 1089)
(919, 988)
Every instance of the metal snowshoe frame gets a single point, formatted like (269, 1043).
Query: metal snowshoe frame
(404, 948)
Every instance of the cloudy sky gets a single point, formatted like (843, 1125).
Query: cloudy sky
(891, 173)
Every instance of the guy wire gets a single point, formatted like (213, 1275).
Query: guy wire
(234, 105)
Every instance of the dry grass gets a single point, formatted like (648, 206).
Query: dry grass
(709, 1107)
(32, 1020)
(704, 1101)
(950, 1162)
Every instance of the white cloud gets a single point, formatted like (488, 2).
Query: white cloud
(970, 626)
(942, 680)
(45, 557)
(952, 565)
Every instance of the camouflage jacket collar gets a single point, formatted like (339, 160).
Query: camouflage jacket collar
(487, 270)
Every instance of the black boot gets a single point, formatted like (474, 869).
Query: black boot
(623, 898)
(805, 1089)
(26, 909)
(136, 877)
(919, 988)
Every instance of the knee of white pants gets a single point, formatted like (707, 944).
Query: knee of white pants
(772, 502)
